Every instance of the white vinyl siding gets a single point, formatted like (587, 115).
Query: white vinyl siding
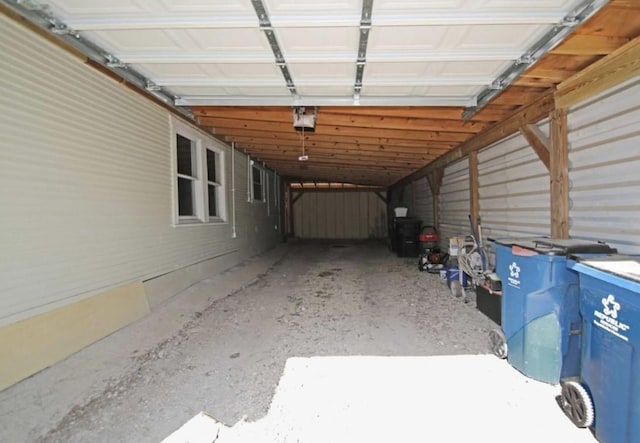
(604, 158)
(86, 187)
(514, 189)
(454, 202)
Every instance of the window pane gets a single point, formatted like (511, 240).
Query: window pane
(185, 197)
(213, 203)
(257, 191)
(211, 166)
(185, 155)
(256, 174)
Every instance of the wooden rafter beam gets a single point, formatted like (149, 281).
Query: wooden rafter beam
(474, 188)
(531, 113)
(416, 156)
(234, 134)
(352, 163)
(221, 126)
(284, 113)
(538, 141)
(350, 120)
(583, 44)
(622, 64)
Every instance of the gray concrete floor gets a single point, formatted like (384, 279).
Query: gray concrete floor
(222, 345)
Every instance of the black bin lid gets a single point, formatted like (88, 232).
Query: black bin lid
(558, 246)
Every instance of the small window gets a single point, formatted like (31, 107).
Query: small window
(213, 185)
(257, 176)
(199, 172)
(187, 176)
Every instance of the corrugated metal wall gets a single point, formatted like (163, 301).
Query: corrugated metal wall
(514, 189)
(454, 201)
(604, 141)
(340, 215)
(423, 202)
(86, 184)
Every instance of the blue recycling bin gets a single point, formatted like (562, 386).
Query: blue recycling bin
(609, 377)
(540, 304)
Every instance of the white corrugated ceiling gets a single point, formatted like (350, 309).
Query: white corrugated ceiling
(421, 52)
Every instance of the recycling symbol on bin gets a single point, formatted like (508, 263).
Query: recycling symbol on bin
(514, 270)
(611, 306)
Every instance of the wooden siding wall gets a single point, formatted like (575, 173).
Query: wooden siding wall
(454, 201)
(340, 215)
(86, 185)
(604, 165)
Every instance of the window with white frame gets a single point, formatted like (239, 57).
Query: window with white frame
(199, 177)
(257, 183)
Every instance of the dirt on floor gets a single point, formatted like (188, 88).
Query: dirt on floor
(226, 355)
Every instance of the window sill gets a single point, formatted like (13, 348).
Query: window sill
(190, 224)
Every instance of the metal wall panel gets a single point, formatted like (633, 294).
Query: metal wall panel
(423, 202)
(604, 141)
(340, 215)
(86, 184)
(514, 189)
(454, 201)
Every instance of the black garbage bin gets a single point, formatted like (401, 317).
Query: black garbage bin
(405, 236)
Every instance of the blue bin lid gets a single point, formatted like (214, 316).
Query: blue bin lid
(557, 246)
(624, 266)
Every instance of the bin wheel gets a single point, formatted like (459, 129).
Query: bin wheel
(576, 404)
(498, 343)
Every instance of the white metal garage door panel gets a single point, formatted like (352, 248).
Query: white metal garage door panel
(514, 189)
(447, 34)
(604, 164)
(454, 201)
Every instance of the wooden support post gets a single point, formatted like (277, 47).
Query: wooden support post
(559, 174)
(290, 207)
(538, 141)
(474, 189)
(413, 198)
(435, 180)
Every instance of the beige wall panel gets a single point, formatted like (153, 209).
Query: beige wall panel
(86, 192)
(340, 215)
(33, 344)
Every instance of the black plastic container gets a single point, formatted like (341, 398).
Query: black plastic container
(489, 303)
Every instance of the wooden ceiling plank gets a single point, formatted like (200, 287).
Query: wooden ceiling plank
(402, 123)
(220, 123)
(314, 163)
(380, 144)
(580, 44)
(617, 67)
(349, 117)
(294, 153)
(531, 113)
(345, 158)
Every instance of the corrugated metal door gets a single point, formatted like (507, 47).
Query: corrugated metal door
(514, 189)
(423, 200)
(340, 215)
(604, 141)
(454, 201)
